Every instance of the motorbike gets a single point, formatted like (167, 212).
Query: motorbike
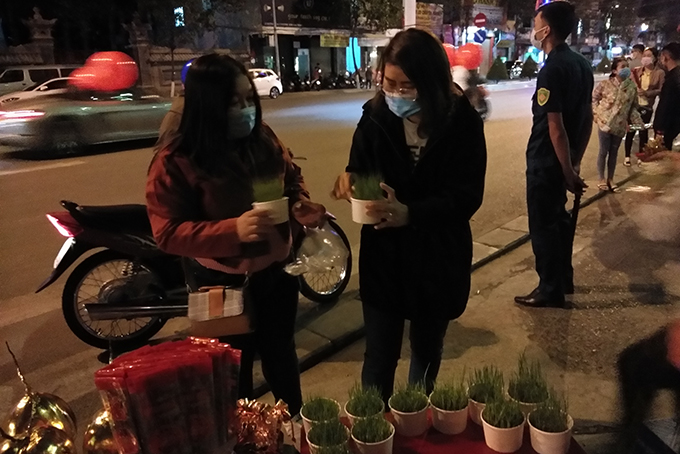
(122, 294)
(345, 81)
(478, 96)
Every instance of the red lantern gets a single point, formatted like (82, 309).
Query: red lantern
(469, 55)
(84, 78)
(108, 71)
(450, 53)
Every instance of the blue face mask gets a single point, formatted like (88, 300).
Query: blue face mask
(624, 73)
(241, 122)
(402, 107)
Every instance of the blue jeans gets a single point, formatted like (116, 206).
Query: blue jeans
(384, 333)
(609, 150)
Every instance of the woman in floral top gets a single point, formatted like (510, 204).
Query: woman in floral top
(614, 108)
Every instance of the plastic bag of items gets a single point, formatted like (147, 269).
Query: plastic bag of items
(322, 250)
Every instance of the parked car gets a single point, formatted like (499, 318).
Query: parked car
(17, 78)
(67, 122)
(267, 82)
(51, 87)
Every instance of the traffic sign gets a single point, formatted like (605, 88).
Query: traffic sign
(479, 36)
(480, 20)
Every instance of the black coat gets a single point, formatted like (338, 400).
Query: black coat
(667, 117)
(421, 270)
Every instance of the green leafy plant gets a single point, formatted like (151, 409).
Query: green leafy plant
(266, 190)
(450, 396)
(528, 384)
(503, 414)
(529, 68)
(604, 66)
(551, 415)
(498, 71)
(372, 430)
(328, 433)
(409, 399)
(486, 384)
(341, 449)
(367, 187)
(320, 409)
(364, 401)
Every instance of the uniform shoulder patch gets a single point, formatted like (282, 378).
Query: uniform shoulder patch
(542, 96)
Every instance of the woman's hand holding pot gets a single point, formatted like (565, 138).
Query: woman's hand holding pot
(343, 187)
(309, 214)
(253, 226)
(392, 212)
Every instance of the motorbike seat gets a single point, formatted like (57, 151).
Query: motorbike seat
(126, 218)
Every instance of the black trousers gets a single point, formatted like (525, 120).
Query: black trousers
(646, 115)
(643, 370)
(551, 230)
(668, 138)
(274, 295)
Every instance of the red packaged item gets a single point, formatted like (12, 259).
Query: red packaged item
(111, 386)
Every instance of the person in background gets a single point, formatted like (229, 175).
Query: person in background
(199, 196)
(369, 77)
(636, 56)
(562, 123)
(649, 80)
(422, 136)
(614, 108)
(667, 119)
(317, 72)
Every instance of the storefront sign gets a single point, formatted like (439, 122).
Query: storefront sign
(305, 13)
(334, 41)
(430, 17)
(494, 14)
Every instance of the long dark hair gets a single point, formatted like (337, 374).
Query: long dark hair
(203, 132)
(422, 58)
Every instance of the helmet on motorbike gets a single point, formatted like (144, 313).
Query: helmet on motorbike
(185, 70)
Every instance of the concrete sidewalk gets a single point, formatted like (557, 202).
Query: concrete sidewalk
(626, 288)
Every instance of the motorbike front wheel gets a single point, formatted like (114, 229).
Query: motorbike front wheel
(102, 278)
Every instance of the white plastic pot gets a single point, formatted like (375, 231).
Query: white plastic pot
(409, 424)
(526, 407)
(475, 411)
(551, 442)
(314, 449)
(352, 418)
(277, 209)
(449, 422)
(381, 447)
(308, 423)
(503, 440)
(359, 214)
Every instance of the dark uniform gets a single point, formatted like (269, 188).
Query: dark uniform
(565, 84)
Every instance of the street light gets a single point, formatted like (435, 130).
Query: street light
(273, 8)
(644, 27)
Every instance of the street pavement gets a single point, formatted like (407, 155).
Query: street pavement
(318, 128)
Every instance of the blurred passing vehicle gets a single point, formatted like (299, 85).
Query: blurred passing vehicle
(17, 78)
(51, 87)
(67, 122)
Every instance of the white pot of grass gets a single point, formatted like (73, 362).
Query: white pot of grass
(268, 196)
(503, 423)
(528, 385)
(363, 402)
(409, 409)
(317, 410)
(485, 385)
(449, 404)
(328, 436)
(550, 427)
(373, 435)
(365, 189)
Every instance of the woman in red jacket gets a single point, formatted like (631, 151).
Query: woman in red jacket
(199, 194)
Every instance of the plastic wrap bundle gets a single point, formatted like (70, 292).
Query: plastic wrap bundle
(173, 398)
(320, 251)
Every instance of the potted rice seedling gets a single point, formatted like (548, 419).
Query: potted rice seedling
(319, 409)
(503, 423)
(327, 435)
(373, 435)
(550, 426)
(363, 402)
(268, 196)
(409, 408)
(365, 189)
(485, 385)
(528, 385)
(449, 402)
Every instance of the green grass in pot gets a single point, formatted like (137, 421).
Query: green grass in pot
(528, 384)
(551, 415)
(450, 396)
(367, 187)
(409, 399)
(486, 384)
(320, 409)
(372, 430)
(328, 433)
(342, 449)
(364, 401)
(267, 189)
(503, 414)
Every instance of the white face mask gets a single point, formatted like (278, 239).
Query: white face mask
(537, 43)
(646, 61)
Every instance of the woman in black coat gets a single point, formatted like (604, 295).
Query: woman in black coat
(423, 137)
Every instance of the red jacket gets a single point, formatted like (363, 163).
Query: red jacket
(194, 215)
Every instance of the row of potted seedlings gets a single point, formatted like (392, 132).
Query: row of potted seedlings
(502, 415)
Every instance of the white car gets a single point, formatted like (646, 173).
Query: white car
(267, 82)
(51, 87)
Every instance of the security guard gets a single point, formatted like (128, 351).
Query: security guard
(561, 130)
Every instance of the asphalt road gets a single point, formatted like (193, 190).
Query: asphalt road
(318, 128)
